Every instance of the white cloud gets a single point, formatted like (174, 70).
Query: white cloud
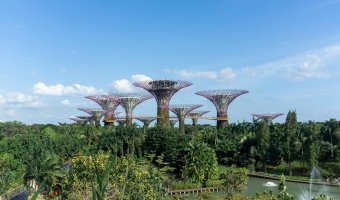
(2, 99)
(140, 77)
(65, 102)
(61, 90)
(11, 113)
(197, 74)
(225, 74)
(125, 85)
(20, 100)
(311, 64)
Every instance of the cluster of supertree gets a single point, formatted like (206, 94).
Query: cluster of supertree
(162, 91)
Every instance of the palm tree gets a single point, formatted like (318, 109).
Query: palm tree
(49, 171)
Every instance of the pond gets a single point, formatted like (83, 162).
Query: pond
(300, 190)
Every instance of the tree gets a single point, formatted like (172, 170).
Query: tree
(312, 130)
(49, 170)
(234, 181)
(262, 143)
(200, 163)
(290, 134)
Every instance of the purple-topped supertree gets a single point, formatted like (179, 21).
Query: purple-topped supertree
(163, 90)
(146, 120)
(173, 121)
(78, 120)
(121, 121)
(95, 113)
(129, 101)
(109, 103)
(194, 115)
(181, 110)
(267, 117)
(222, 99)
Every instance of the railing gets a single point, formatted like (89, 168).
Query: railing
(189, 191)
(14, 192)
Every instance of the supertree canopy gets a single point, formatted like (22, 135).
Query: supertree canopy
(78, 120)
(96, 114)
(146, 120)
(109, 103)
(181, 110)
(88, 118)
(173, 121)
(267, 117)
(194, 115)
(222, 99)
(129, 101)
(163, 90)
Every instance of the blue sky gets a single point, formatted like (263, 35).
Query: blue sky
(286, 53)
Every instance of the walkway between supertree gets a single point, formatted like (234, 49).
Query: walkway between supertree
(195, 115)
(120, 121)
(146, 120)
(129, 101)
(181, 110)
(163, 90)
(222, 99)
(95, 113)
(268, 117)
(109, 103)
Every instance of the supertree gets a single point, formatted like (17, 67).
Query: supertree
(181, 110)
(109, 103)
(267, 117)
(78, 120)
(173, 121)
(129, 101)
(146, 120)
(96, 114)
(222, 99)
(88, 118)
(121, 121)
(194, 115)
(163, 90)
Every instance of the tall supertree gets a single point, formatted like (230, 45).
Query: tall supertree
(146, 120)
(194, 115)
(96, 114)
(173, 121)
(222, 99)
(109, 103)
(121, 121)
(129, 101)
(267, 117)
(163, 90)
(181, 110)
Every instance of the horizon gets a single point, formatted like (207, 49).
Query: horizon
(52, 54)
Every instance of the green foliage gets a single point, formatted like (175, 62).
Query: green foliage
(200, 163)
(102, 180)
(283, 195)
(322, 197)
(262, 143)
(234, 181)
(49, 171)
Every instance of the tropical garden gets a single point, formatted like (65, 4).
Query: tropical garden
(73, 161)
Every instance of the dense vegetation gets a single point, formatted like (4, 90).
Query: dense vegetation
(77, 161)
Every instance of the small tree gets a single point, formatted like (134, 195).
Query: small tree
(200, 163)
(234, 181)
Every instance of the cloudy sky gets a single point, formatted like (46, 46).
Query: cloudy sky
(286, 53)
